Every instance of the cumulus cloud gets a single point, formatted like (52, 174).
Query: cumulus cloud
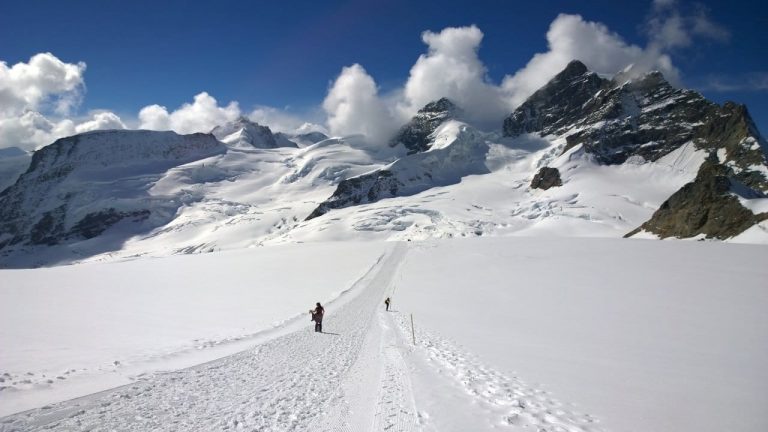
(31, 130)
(451, 68)
(43, 81)
(353, 106)
(571, 37)
(101, 120)
(202, 115)
(36, 98)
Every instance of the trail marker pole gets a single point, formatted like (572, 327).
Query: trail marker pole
(413, 332)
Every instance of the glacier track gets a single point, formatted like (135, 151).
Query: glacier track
(362, 374)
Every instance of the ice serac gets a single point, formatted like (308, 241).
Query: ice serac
(79, 186)
(244, 133)
(461, 151)
(707, 206)
(415, 135)
(643, 118)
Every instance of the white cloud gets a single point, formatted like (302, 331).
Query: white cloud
(202, 115)
(43, 82)
(101, 120)
(37, 96)
(353, 106)
(451, 68)
(32, 130)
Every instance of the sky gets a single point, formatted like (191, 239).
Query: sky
(347, 66)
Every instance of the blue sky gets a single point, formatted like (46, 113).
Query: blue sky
(287, 54)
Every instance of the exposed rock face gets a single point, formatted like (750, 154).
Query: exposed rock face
(546, 178)
(555, 107)
(705, 206)
(246, 133)
(414, 136)
(79, 186)
(464, 154)
(362, 189)
(643, 117)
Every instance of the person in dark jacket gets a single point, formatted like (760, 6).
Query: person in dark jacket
(317, 317)
(386, 302)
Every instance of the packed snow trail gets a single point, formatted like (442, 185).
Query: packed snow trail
(290, 383)
(457, 391)
(362, 374)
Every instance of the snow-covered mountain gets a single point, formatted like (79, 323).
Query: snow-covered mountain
(244, 133)
(583, 156)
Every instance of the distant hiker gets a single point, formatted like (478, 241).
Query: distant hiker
(317, 317)
(386, 302)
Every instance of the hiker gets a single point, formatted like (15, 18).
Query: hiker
(386, 302)
(317, 317)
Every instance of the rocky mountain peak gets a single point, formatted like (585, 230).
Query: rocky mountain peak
(643, 117)
(439, 106)
(245, 133)
(554, 106)
(415, 134)
(572, 69)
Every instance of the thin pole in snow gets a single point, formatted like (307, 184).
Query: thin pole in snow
(413, 332)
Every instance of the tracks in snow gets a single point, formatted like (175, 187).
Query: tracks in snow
(280, 385)
(356, 377)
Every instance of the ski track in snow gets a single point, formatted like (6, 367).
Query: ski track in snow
(395, 408)
(504, 401)
(281, 385)
(354, 377)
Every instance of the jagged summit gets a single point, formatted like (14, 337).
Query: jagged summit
(557, 104)
(414, 135)
(439, 106)
(644, 118)
(245, 133)
(573, 68)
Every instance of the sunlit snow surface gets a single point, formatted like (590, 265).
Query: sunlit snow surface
(517, 333)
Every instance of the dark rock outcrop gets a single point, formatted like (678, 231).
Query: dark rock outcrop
(706, 206)
(362, 189)
(414, 136)
(546, 178)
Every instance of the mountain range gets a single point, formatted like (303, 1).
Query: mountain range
(585, 155)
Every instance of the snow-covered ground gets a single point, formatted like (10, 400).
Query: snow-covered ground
(73, 330)
(647, 335)
(555, 334)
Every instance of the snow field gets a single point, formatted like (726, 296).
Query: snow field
(73, 330)
(283, 384)
(528, 334)
(643, 335)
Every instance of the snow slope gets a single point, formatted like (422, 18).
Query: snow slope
(69, 331)
(511, 334)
